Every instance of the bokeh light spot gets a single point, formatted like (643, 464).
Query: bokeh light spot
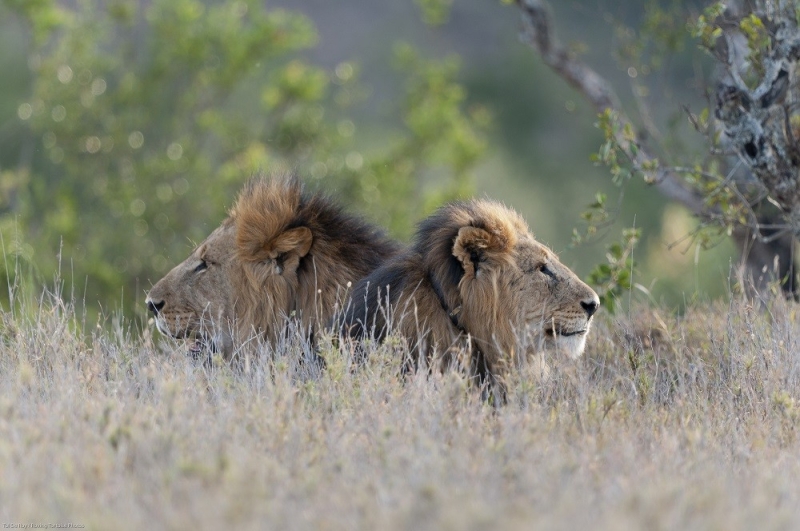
(58, 113)
(24, 111)
(136, 139)
(174, 151)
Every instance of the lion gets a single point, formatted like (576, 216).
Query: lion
(474, 283)
(281, 255)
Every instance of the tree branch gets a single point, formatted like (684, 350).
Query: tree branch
(539, 34)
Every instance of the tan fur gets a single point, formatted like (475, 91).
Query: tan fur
(475, 281)
(280, 254)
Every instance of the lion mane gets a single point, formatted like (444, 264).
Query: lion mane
(282, 254)
(474, 283)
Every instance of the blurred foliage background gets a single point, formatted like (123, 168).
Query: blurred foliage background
(127, 126)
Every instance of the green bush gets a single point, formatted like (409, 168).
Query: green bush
(140, 120)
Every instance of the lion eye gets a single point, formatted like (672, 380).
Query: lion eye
(546, 271)
(202, 266)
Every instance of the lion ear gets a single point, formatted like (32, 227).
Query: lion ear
(297, 240)
(253, 248)
(473, 246)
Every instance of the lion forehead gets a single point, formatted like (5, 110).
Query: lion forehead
(186, 288)
(549, 282)
(529, 253)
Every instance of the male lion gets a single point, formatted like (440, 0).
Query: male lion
(475, 281)
(281, 253)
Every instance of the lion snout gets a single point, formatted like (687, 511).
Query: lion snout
(590, 306)
(154, 307)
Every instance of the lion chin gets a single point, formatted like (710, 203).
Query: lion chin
(201, 342)
(473, 278)
(570, 344)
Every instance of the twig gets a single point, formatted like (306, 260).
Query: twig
(539, 34)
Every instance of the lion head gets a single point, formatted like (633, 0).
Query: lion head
(281, 254)
(475, 280)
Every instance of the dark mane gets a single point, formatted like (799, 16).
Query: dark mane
(341, 236)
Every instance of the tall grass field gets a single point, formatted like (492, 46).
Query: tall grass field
(666, 422)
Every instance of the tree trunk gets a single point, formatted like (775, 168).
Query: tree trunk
(767, 259)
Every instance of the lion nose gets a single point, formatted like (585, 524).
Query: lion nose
(590, 306)
(155, 307)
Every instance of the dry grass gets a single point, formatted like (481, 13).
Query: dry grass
(666, 423)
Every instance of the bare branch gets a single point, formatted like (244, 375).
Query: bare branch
(538, 32)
